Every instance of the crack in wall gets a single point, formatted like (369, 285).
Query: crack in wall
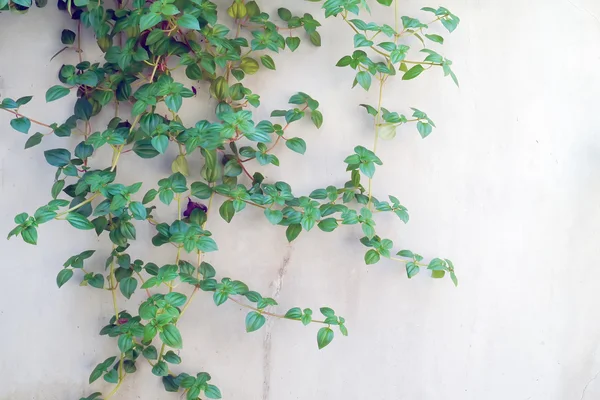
(588, 384)
(277, 284)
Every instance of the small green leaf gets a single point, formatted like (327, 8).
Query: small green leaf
(435, 38)
(67, 36)
(79, 221)
(296, 144)
(317, 118)
(188, 21)
(138, 210)
(315, 38)
(160, 143)
(128, 286)
(171, 336)
(160, 369)
(292, 42)
(284, 14)
(212, 392)
(56, 92)
(63, 277)
(324, 337)
(274, 216)
(171, 357)
(149, 20)
(150, 353)
(372, 257)
(268, 62)
(411, 269)
(413, 72)
(293, 231)
(254, 321)
(57, 188)
(21, 124)
(364, 79)
(227, 210)
(34, 140)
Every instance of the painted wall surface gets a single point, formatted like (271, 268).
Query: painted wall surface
(507, 187)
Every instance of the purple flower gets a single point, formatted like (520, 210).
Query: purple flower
(191, 206)
(122, 321)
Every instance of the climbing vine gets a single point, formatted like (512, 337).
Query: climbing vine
(143, 43)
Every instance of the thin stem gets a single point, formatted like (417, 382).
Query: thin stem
(143, 281)
(271, 314)
(32, 120)
(401, 260)
(83, 203)
(379, 104)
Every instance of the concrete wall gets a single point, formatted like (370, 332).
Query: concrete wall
(507, 187)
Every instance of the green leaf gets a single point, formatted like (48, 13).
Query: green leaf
(294, 313)
(149, 20)
(328, 224)
(160, 369)
(227, 210)
(150, 353)
(79, 221)
(67, 36)
(372, 257)
(128, 286)
(21, 124)
(293, 231)
(274, 216)
(212, 392)
(125, 343)
(454, 278)
(57, 188)
(387, 131)
(138, 210)
(201, 190)
(284, 14)
(315, 38)
(411, 269)
(63, 277)
(413, 72)
(83, 109)
(292, 42)
(34, 140)
(171, 336)
(97, 281)
(254, 321)
(438, 274)
(188, 21)
(101, 368)
(435, 38)
(424, 129)
(370, 109)
(364, 79)
(324, 337)
(361, 41)
(160, 143)
(171, 357)
(296, 144)
(56, 92)
(268, 62)
(385, 2)
(317, 118)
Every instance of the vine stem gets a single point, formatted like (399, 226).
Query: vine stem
(117, 153)
(376, 127)
(83, 203)
(32, 120)
(272, 314)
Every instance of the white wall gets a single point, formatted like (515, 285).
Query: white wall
(507, 187)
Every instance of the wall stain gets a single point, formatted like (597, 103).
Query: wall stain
(277, 284)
